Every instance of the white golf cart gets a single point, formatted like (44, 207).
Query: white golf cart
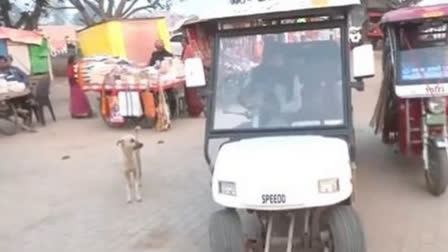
(280, 111)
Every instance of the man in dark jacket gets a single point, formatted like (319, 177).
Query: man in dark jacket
(12, 72)
(159, 54)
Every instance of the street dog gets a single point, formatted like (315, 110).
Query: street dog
(130, 146)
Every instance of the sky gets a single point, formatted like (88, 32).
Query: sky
(197, 7)
(188, 7)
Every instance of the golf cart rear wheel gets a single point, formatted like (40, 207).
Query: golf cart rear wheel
(341, 230)
(437, 175)
(226, 234)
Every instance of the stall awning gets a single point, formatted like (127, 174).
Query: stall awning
(414, 13)
(21, 36)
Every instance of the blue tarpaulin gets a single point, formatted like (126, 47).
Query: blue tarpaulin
(3, 49)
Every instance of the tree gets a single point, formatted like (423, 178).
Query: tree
(93, 11)
(28, 13)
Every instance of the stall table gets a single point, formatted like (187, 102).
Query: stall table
(154, 88)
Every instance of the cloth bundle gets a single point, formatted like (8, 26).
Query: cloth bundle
(109, 70)
(11, 86)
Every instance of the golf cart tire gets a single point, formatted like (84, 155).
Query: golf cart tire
(345, 228)
(226, 234)
(437, 174)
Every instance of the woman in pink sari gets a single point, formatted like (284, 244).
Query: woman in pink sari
(79, 104)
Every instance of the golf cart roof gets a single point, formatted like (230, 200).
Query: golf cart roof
(420, 11)
(257, 8)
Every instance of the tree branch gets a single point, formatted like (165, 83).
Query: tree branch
(101, 4)
(61, 8)
(83, 21)
(22, 20)
(153, 5)
(120, 8)
(80, 7)
(110, 9)
(5, 6)
(137, 10)
(130, 7)
(96, 9)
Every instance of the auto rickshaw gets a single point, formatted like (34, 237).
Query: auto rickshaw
(411, 110)
(280, 143)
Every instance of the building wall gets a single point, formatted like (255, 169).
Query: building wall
(59, 65)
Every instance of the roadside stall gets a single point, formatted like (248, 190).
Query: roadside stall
(115, 66)
(29, 51)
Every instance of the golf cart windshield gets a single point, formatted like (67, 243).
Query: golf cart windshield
(280, 80)
(423, 52)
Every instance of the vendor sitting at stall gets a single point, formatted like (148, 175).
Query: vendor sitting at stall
(159, 54)
(157, 57)
(12, 72)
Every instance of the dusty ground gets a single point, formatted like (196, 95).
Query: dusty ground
(49, 204)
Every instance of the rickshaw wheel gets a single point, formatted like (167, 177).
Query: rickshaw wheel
(437, 175)
(226, 233)
(341, 230)
(14, 119)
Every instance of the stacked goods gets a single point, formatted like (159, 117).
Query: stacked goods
(9, 85)
(113, 71)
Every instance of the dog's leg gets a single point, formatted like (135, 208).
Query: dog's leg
(128, 187)
(139, 169)
(138, 158)
(136, 184)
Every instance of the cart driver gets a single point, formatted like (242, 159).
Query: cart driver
(272, 89)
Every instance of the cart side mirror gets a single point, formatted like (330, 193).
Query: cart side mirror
(194, 73)
(363, 62)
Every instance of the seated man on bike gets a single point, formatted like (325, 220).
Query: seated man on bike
(12, 72)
